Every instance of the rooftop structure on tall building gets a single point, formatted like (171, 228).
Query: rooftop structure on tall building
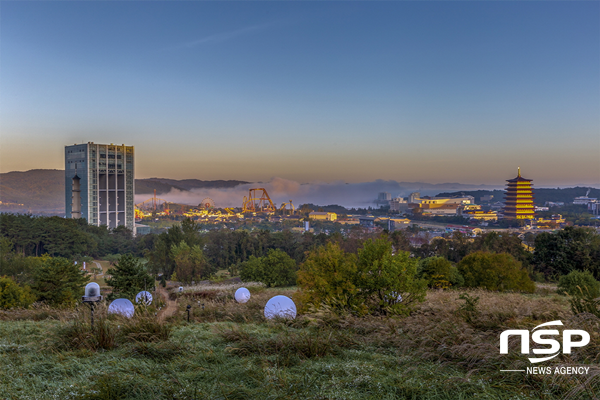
(99, 184)
(518, 200)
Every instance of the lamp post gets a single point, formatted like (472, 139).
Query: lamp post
(91, 297)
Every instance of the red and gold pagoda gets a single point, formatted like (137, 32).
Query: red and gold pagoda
(518, 200)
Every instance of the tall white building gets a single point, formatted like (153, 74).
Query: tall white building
(99, 184)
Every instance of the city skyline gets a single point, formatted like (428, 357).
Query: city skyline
(310, 92)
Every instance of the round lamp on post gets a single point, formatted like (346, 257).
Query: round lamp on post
(92, 296)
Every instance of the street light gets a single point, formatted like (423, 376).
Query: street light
(91, 297)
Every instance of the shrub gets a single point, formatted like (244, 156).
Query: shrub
(385, 278)
(439, 273)
(13, 295)
(469, 310)
(328, 276)
(275, 269)
(373, 282)
(577, 283)
(498, 272)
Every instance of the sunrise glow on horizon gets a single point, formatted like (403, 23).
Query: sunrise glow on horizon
(308, 91)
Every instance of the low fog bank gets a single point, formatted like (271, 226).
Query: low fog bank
(345, 194)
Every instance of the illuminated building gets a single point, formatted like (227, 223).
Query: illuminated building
(437, 205)
(518, 200)
(474, 211)
(99, 184)
(322, 216)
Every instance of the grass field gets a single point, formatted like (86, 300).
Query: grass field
(444, 350)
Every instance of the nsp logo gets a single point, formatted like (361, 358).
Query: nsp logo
(540, 337)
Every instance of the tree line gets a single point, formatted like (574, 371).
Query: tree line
(30, 245)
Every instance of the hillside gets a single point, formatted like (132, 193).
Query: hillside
(36, 190)
(540, 195)
(43, 190)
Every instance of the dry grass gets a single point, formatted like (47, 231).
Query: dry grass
(37, 312)
(220, 306)
(288, 347)
(108, 332)
(252, 286)
(442, 350)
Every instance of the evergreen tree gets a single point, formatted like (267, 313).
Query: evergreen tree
(128, 277)
(58, 281)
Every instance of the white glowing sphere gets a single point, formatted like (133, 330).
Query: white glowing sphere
(280, 307)
(180, 289)
(122, 307)
(143, 297)
(242, 295)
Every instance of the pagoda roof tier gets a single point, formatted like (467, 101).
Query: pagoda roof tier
(519, 178)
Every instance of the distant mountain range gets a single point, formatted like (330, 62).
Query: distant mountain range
(43, 190)
(36, 190)
(40, 191)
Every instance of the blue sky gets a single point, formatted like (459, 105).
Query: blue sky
(308, 91)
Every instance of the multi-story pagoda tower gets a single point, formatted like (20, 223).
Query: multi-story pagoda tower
(518, 200)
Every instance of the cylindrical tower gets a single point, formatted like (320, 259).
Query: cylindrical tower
(76, 198)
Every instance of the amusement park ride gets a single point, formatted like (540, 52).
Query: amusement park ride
(257, 202)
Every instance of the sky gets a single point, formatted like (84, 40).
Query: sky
(314, 91)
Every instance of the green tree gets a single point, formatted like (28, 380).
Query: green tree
(579, 283)
(400, 240)
(58, 281)
(13, 295)
(328, 277)
(384, 277)
(498, 272)
(375, 281)
(495, 242)
(190, 263)
(128, 277)
(439, 273)
(567, 250)
(277, 268)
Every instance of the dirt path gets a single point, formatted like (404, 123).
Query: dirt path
(99, 266)
(170, 308)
